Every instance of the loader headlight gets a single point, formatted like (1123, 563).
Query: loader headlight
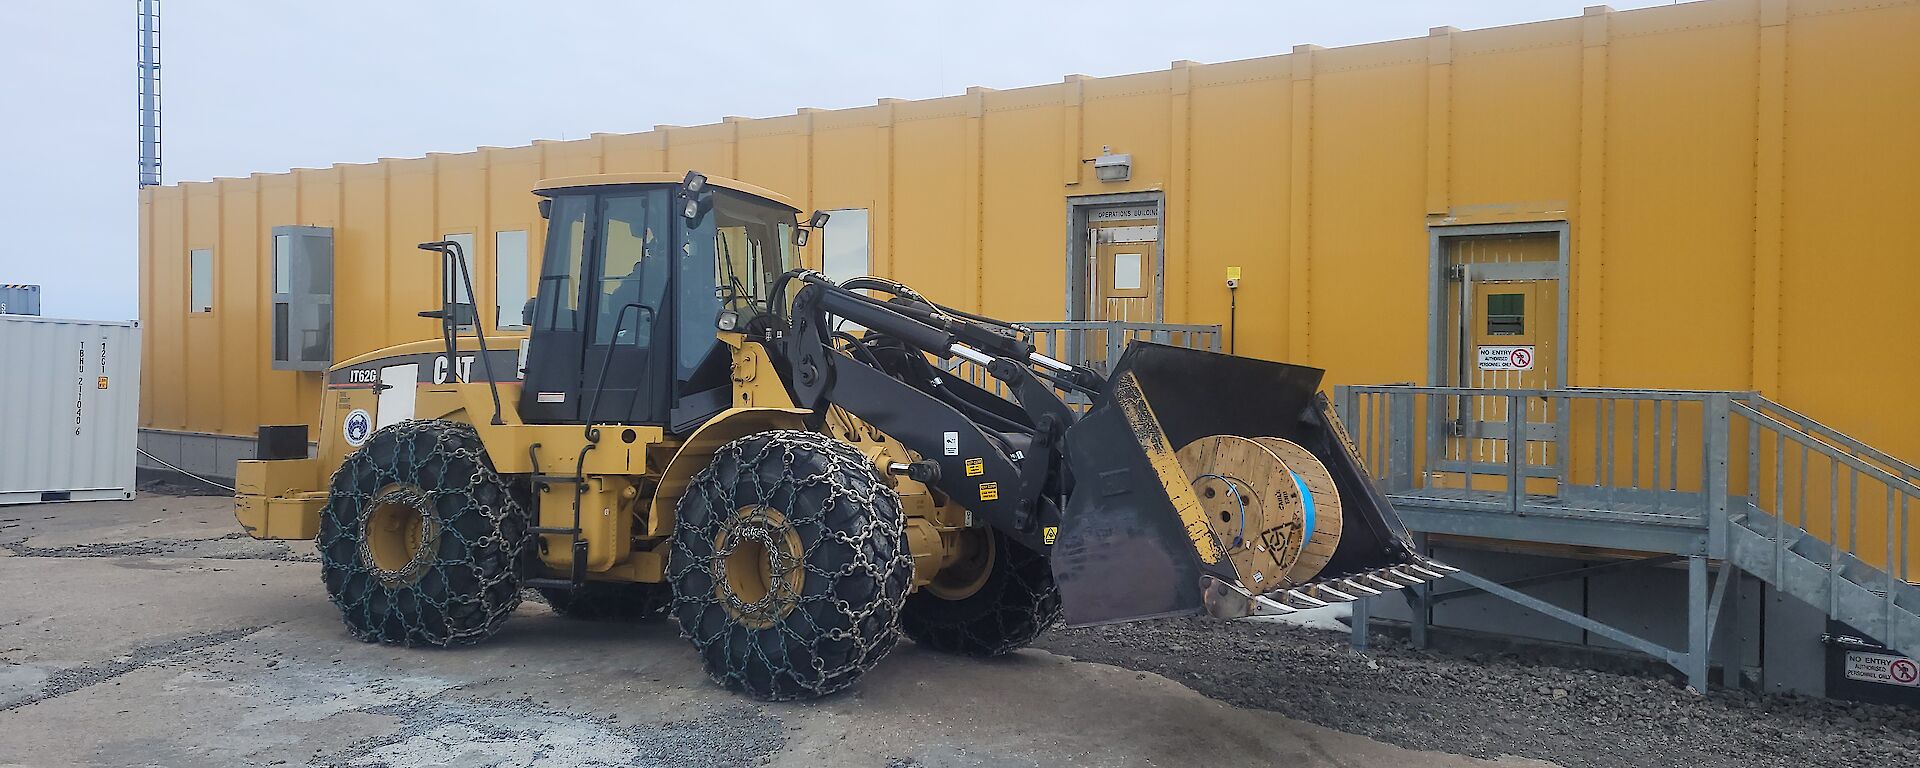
(728, 320)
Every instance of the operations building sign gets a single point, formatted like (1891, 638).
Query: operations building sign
(1506, 358)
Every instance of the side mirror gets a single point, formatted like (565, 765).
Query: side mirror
(546, 208)
(818, 219)
(800, 236)
(526, 312)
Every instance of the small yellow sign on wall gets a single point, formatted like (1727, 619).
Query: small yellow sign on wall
(1233, 273)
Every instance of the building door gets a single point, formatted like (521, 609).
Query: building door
(1117, 278)
(1504, 329)
(1113, 273)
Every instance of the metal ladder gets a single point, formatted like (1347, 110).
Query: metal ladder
(577, 574)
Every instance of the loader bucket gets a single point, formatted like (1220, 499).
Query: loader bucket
(1137, 539)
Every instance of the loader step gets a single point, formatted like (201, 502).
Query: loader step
(553, 530)
(546, 583)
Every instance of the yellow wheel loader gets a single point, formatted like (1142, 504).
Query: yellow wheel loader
(793, 469)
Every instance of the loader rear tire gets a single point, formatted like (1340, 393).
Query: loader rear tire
(789, 565)
(1007, 609)
(421, 542)
(607, 600)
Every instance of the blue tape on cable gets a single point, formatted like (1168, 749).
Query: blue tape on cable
(1306, 500)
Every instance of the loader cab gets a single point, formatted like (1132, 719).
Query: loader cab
(637, 268)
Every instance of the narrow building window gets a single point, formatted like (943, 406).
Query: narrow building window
(200, 265)
(510, 278)
(844, 244)
(283, 264)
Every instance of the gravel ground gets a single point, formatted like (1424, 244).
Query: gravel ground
(1500, 705)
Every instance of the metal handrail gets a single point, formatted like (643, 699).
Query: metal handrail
(1847, 443)
(1904, 485)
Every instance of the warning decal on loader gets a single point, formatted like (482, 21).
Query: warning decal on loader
(989, 491)
(976, 466)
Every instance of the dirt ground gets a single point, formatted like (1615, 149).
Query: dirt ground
(150, 633)
(1502, 704)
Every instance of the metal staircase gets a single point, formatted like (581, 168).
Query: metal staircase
(1828, 571)
(1722, 482)
(1800, 564)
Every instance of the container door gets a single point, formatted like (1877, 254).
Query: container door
(1505, 320)
(397, 389)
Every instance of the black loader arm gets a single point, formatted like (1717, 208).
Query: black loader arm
(999, 460)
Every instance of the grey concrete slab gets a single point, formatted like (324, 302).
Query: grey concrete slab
(144, 633)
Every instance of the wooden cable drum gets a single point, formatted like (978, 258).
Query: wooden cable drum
(1312, 475)
(1247, 495)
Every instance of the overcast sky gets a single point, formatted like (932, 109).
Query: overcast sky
(263, 85)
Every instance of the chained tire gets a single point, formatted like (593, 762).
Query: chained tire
(608, 600)
(421, 542)
(789, 565)
(996, 598)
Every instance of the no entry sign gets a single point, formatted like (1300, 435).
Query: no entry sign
(1506, 358)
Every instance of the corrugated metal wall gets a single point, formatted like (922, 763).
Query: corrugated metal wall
(1736, 174)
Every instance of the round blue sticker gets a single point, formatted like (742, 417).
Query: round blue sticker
(358, 427)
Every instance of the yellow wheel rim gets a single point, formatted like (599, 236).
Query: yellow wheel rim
(970, 568)
(400, 536)
(758, 566)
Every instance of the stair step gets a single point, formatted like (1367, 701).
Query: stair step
(1856, 593)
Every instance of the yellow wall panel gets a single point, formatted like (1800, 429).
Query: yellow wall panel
(411, 273)
(203, 378)
(1679, 210)
(1367, 224)
(360, 259)
(244, 349)
(1515, 131)
(1238, 166)
(1024, 213)
(1849, 317)
(163, 347)
(933, 191)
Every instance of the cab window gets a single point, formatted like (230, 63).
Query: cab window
(557, 307)
(634, 270)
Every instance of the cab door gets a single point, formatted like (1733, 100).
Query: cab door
(556, 344)
(628, 361)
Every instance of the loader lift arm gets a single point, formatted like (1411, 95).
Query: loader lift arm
(1000, 460)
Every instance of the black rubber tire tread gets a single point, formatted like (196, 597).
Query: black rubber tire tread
(471, 584)
(853, 553)
(609, 600)
(1018, 602)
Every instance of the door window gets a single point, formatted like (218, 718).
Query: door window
(633, 276)
(1506, 314)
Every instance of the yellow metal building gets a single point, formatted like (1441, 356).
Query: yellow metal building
(1711, 195)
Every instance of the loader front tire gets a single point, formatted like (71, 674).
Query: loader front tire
(997, 600)
(789, 565)
(421, 542)
(608, 600)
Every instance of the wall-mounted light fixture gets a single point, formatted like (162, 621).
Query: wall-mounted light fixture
(1111, 167)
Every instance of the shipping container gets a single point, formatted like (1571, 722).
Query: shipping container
(16, 299)
(71, 392)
